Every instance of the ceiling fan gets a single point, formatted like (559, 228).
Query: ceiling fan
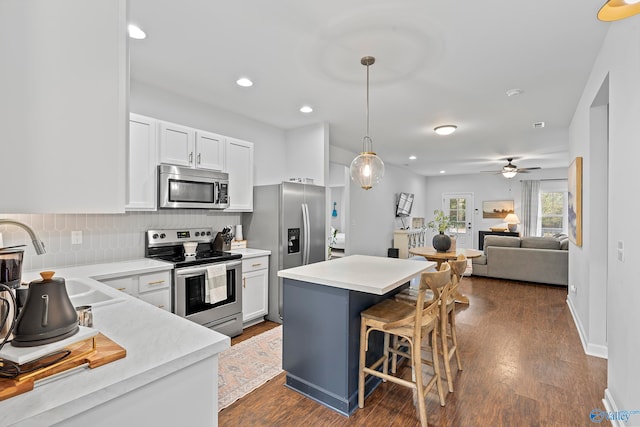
(510, 170)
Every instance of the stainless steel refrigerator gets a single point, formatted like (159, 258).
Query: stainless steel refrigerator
(289, 220)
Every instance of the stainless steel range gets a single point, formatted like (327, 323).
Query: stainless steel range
(206, 287)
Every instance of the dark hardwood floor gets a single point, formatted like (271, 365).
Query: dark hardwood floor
(523, 366)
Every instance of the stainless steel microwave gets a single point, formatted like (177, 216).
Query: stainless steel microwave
(180, 187)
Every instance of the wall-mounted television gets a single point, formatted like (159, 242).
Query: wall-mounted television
(404, 204)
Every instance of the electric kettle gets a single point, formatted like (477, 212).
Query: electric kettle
(48, 314)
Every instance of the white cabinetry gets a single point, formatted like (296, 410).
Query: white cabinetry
(141, 164)
(255, 285)
(240, 169)
(154, 288)
(185, 146)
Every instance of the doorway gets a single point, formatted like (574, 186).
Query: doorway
(459, 207)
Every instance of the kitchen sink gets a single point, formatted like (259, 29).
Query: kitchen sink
(83, 292)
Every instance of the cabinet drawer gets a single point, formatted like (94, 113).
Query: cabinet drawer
(153, 281)
(128, 285)
(257, 263)
(160, 298)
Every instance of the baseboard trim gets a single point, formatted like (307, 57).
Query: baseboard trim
(610, 406)
(591, 349)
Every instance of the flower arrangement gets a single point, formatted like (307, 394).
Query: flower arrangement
(440, 222)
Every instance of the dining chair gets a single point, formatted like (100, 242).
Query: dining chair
(417, 325)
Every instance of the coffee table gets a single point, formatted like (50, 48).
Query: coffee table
(439, 257)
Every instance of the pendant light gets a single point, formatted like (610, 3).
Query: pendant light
(614, 10)
(367, 169)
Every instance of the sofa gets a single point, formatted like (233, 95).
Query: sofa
(530, 259)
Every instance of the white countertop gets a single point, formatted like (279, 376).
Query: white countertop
(103, 271)
(250, 253)
(363, 273)
(157, 342)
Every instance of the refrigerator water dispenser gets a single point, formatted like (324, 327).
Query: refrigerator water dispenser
(293, 247)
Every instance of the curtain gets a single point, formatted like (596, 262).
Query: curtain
(530, 200)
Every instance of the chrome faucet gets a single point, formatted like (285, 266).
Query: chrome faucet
(37, 243)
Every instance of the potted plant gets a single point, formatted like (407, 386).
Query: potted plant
(440, 223)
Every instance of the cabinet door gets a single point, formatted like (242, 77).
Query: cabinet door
(210, 151)
(160, 298)
(240, 169)
(176, 144)
(141, 164)
(254, 294)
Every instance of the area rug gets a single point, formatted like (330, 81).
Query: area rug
(247, 365)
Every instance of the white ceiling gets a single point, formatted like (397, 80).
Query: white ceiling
(437, 62)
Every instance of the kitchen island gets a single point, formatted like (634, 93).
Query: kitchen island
(321, 323)
(169, 376)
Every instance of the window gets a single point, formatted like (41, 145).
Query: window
(552, 217)
(458, 215)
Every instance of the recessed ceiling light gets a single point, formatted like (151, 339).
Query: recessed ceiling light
(412, 157)
(514, 92)
(244, 82)
(135, 32)
(445, 129)
(442, 171)
(306, 109)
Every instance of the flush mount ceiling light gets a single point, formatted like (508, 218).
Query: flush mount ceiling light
(367, 169)
(445, 129)
(514, 92)
(244, 82)
(135, 32)
(614, 10)
(306, 109)
(412, 157)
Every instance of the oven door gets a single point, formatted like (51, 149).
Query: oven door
(190, 292)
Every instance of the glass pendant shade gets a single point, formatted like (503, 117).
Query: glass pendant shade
(367, 170)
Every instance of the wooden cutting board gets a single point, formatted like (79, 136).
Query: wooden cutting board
(94, 352)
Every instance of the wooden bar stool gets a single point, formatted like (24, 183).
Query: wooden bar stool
(448, 320)
(412, 324)
(447, 317)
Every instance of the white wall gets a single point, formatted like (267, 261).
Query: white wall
(269, 141)
(620, 61)
(63, 106)
(484, 187)
(372, 212)
(307, 153)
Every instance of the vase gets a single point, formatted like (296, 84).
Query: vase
(441, 242)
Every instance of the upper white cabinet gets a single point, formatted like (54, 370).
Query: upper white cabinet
(185, 146)
(210, 151)
(63, 106)
(141, 163)
(240, 169)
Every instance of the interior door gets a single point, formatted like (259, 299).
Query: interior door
(459, 207)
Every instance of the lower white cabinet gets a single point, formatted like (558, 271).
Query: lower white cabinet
(255, 285)
(154, 288)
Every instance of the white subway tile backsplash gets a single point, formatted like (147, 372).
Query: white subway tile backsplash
(105, 238)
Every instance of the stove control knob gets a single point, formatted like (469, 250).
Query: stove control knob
(197, 233)
(202, 233)
(208, 233)
(155, 236)
(162, 235)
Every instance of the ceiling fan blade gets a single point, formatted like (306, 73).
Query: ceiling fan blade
(528, 169)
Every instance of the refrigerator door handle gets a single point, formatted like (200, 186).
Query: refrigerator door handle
(305, 234)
